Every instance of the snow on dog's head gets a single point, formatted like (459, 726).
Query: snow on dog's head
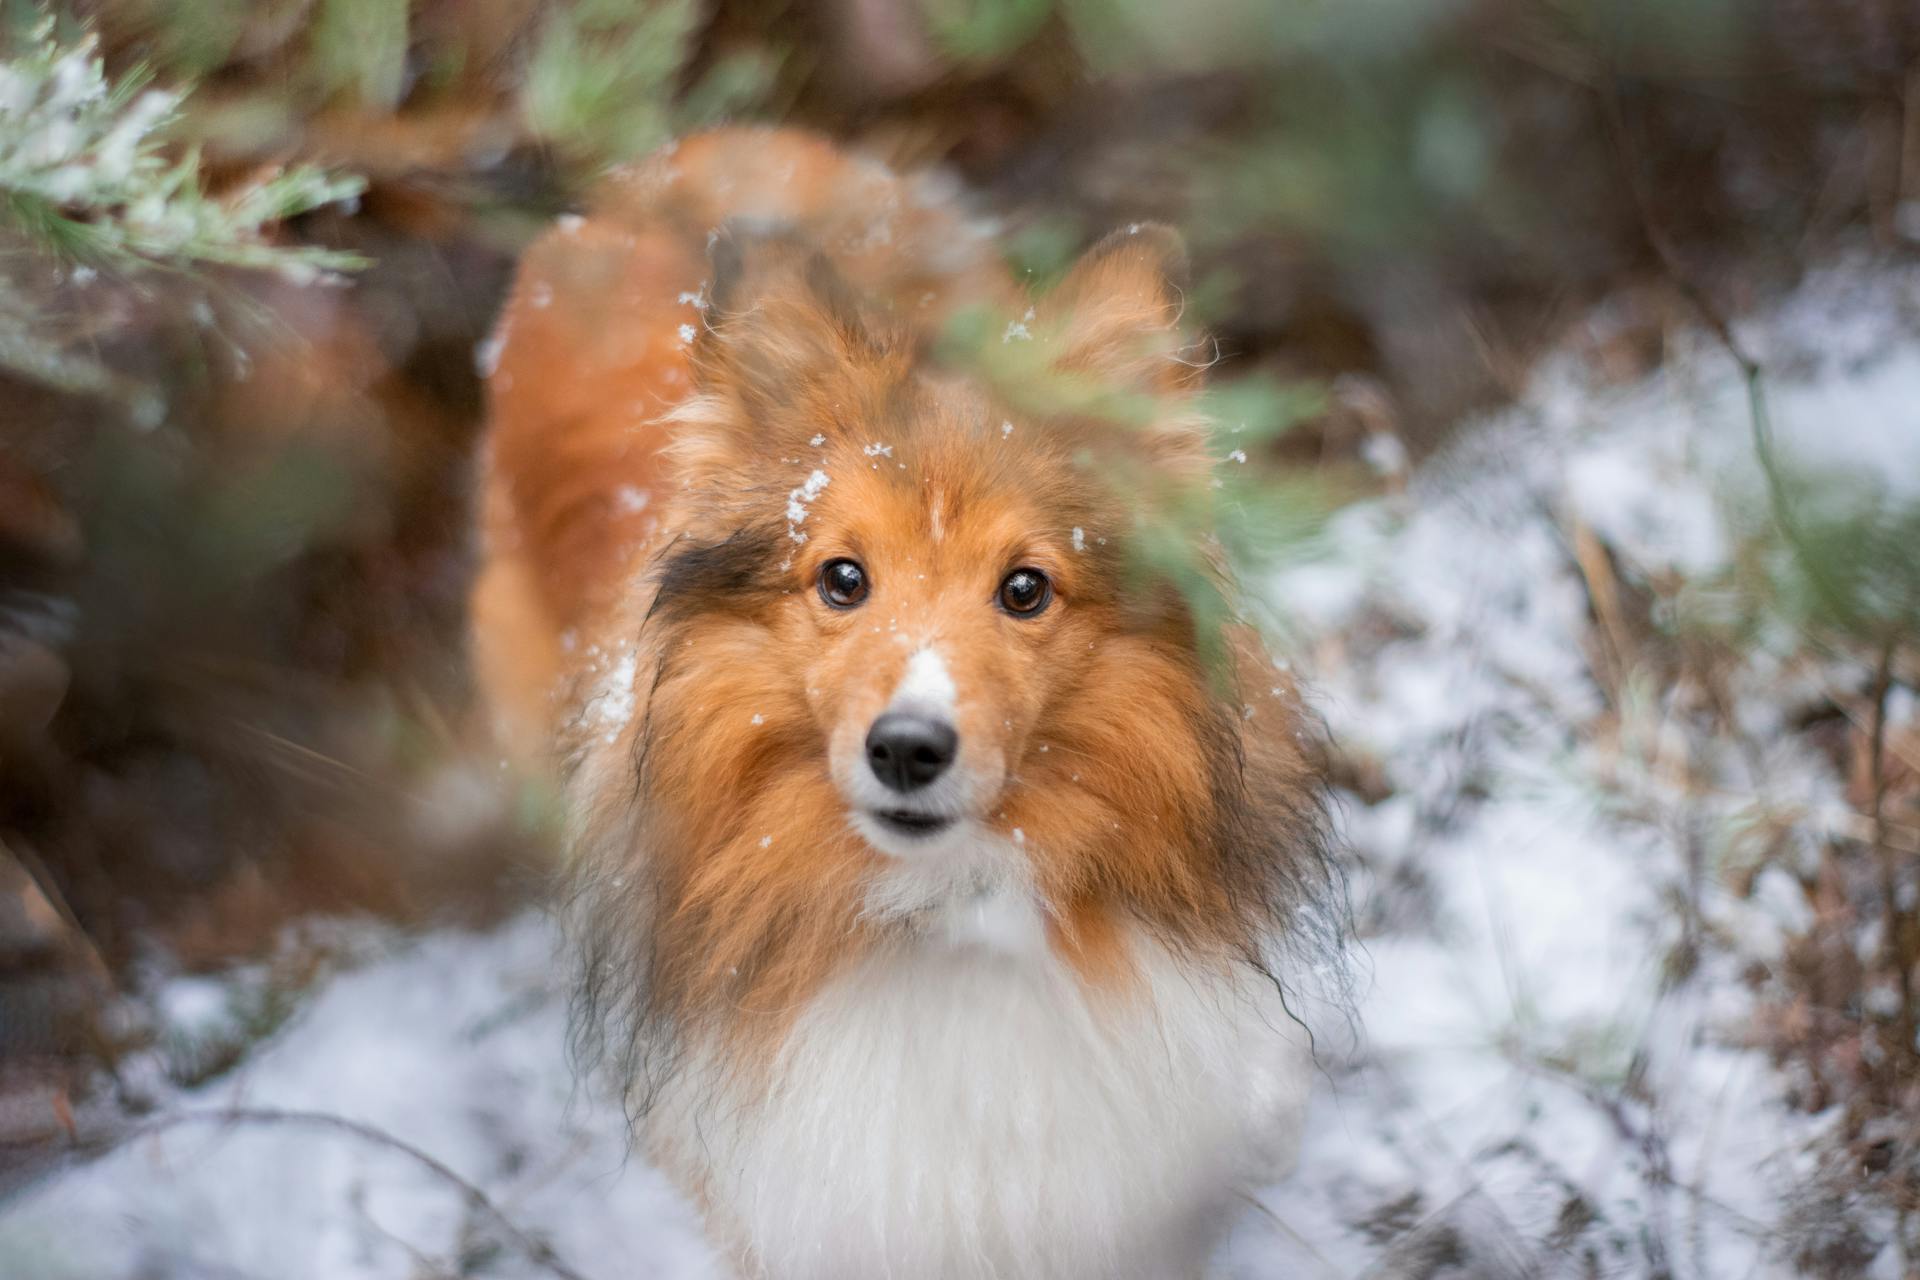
(902, 652)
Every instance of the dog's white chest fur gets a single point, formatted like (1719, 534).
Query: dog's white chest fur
(955, 1109)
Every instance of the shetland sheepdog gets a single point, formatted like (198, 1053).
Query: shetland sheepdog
(934, 874)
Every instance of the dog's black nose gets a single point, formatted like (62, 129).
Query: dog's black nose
(907, 750)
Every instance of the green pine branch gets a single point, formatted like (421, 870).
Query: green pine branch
(87, 177)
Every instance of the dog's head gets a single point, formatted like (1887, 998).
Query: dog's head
(906, 629)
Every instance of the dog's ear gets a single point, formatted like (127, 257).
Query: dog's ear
(1114, 325)
(779, 318)
(1116, 315)
(783, 332)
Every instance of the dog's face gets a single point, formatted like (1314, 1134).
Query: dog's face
(923, 587)
(942, 615)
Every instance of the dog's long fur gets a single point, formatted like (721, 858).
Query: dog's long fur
(1050, 1040)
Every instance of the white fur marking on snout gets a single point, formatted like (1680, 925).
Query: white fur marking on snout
(927, 684)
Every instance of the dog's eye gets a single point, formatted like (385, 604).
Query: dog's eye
(1025, 592)
(843, 583)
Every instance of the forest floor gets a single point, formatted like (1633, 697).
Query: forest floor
(1565, 1058)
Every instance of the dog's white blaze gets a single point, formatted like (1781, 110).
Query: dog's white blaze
(927, 685)
(967, 1113)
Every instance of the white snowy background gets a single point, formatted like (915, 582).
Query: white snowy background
(1514, 890)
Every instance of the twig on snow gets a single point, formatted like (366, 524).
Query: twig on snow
(1751, 372)
(536, 1250)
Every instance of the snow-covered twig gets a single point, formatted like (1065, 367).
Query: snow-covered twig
(86, 175)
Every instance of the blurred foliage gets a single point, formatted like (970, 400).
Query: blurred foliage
(1827, 563)
(360, 51)
(980, 31)
(1194, 537)
(84, 174)
(87, 184)
(1816, 626)
(1849, 573)
(603, 78)
(599, 81)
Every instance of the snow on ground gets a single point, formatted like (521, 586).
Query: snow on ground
(1516, 894)
(1519, 880)
(455, 1044)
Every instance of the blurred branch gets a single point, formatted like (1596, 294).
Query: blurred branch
(25, 350)
(1657, 1168)
(1751, 372)
(85, 175)
(1902, 951)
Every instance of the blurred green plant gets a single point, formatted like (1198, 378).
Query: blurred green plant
(1851, 574)
(86, 175)
(360, 50)
(603, 82)
(593, 82)
(1250, 519)
(89, 184)
(1197, 538)
(602, 74)
(977, 31)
